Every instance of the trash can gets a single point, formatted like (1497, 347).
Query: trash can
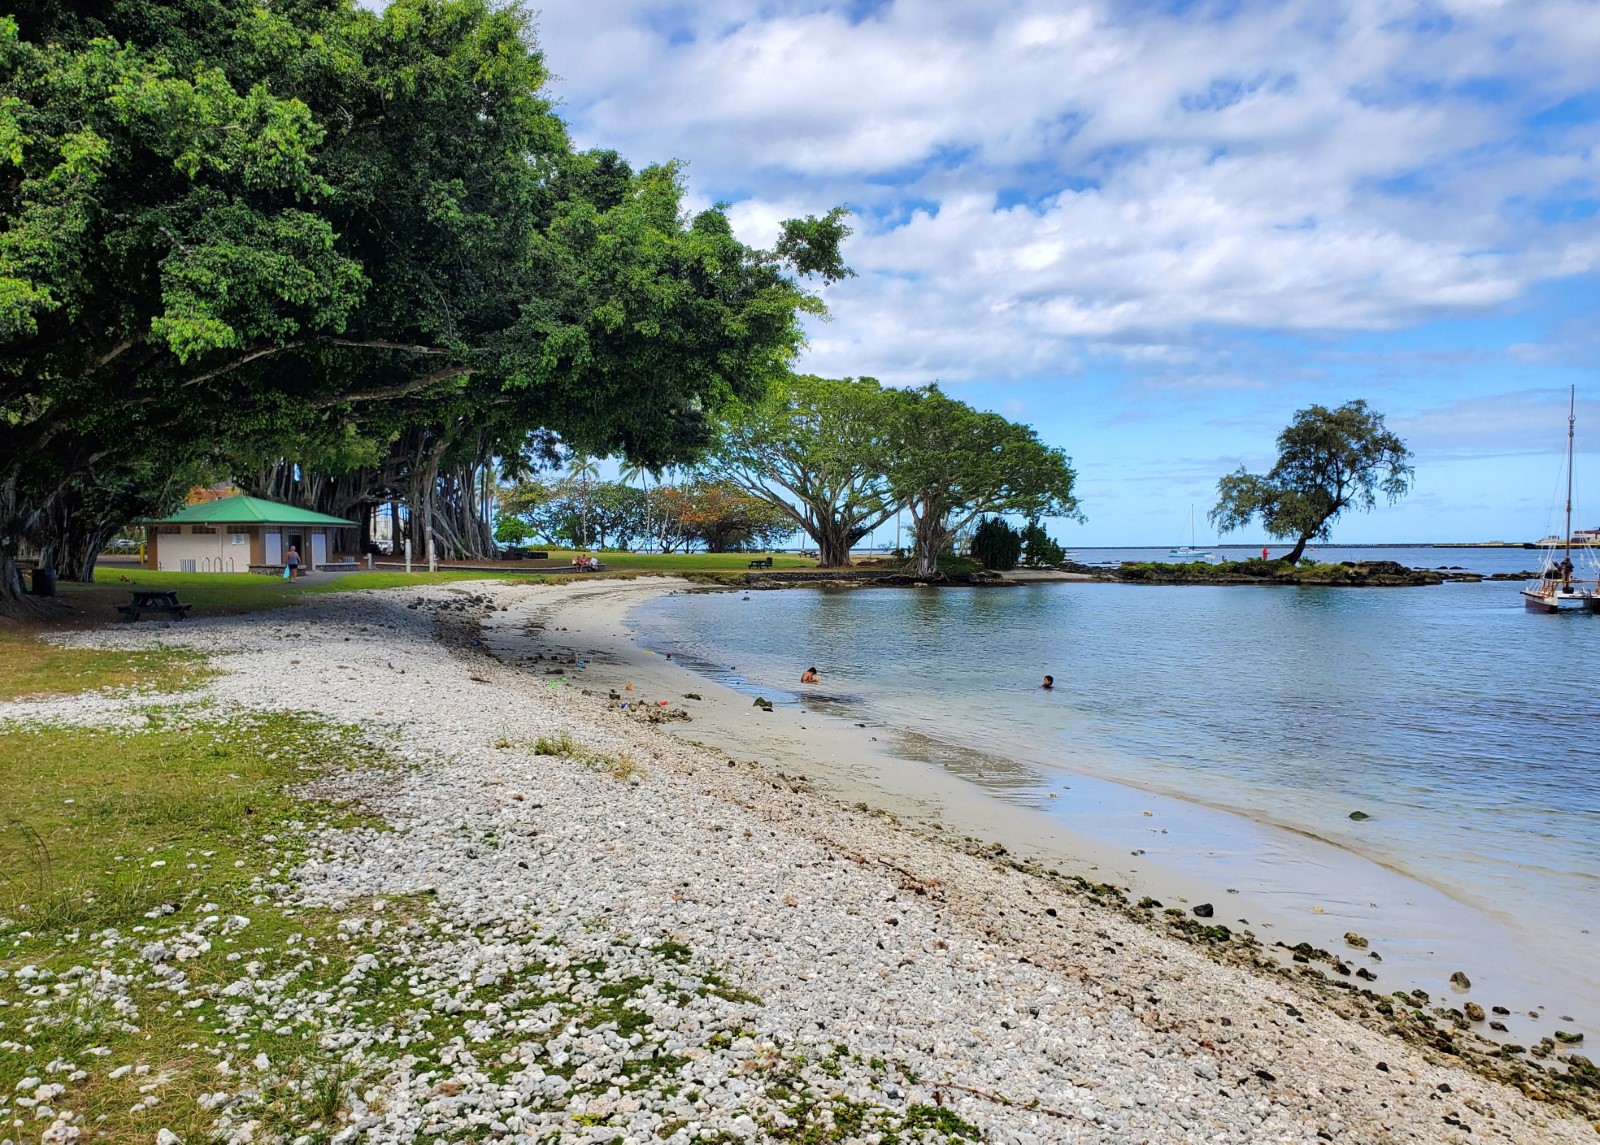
(44, 582)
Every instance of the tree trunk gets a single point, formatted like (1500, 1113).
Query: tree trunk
(10, 585)
(15, 517)
(75, 549)
(930, 538)
(833, 548)
(1299, 548)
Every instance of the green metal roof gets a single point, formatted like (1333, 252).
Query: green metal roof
(249, 511)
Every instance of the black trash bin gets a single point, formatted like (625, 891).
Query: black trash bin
(44, 582)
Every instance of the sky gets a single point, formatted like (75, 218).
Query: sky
(1155, 230)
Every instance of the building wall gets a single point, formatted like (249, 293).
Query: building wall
(212, 551)
(224, 548)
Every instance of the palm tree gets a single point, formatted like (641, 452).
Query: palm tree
(583, 469)
(632, 472)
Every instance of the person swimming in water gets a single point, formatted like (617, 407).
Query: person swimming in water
(809, 676)
(1049, 683)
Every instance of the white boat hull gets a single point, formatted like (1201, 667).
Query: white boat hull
(1550, 597)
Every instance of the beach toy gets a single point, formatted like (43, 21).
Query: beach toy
(661, 703)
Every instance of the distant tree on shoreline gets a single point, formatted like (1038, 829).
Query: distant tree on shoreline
(1039, 549)
(996, 545)
(951, 464)
(814, 449)
(1328, 461)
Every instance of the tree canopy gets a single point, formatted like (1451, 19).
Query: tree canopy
(615, 515)
(816, 449)
(229, 227)
(951, 464)
(1328, 461)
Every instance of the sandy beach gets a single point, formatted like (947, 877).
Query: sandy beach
(871, 959)
(1281, 884)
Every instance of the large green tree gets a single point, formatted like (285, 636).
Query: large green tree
(244, 221)
(816, 449)
(1329, 460)
(951, 464)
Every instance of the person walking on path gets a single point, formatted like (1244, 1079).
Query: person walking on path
(292, 559)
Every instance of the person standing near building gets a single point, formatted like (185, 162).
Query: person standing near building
(292, 559)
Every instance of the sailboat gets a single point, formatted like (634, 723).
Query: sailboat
(1556, 590)
(1190, 550)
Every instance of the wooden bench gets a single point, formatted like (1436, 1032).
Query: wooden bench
(160, 600)
(762, 563)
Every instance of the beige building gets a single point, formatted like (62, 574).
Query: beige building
(241, 535)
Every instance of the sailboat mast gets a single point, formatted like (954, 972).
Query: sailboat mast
(1572, 422)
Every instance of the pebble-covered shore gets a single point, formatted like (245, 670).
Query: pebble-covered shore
(627, 938)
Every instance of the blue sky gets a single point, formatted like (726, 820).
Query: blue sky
(1154, 230)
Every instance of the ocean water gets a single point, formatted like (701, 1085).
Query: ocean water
(1463, 725)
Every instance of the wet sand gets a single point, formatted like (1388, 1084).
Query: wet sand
(1281, 885)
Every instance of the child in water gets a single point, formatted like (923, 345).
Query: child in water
(809, 676)
(1049, 683)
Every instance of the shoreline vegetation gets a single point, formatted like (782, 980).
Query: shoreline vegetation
(1345, 574)
(349, 911)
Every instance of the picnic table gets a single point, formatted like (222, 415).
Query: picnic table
(763, 563)
(164, 600)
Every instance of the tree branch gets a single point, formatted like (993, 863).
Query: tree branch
(401, 390)
(244, 361)
(117, 351)
(375, 344)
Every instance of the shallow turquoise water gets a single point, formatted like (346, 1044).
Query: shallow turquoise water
(1462, 724)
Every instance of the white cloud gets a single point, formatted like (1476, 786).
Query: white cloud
(1181, 172)
(1522, 421)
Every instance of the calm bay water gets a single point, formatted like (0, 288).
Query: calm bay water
(1463, 725)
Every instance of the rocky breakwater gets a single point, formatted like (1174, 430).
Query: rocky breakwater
(1346, 574)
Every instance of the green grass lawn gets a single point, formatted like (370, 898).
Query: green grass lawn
(692, 562)
(35, 667)
(230, 593)
(233, 592)
(152, 832)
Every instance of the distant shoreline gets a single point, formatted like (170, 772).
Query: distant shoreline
(1337, 545)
